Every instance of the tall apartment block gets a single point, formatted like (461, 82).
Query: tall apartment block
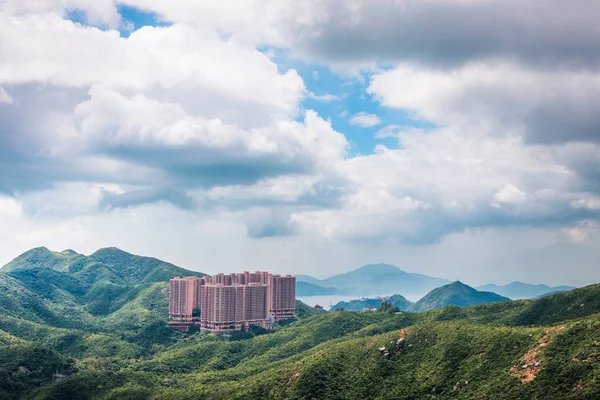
(227, 302)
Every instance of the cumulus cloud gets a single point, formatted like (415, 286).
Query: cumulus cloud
(582, 232)
(442, 182)
(10, 206)
(434, 32)
(365, 120)
(446, 33)
(97, 12)
(198, 151)
(5, 97)
(176, 196)
(506, 97)
(509, 194)
(178, 58)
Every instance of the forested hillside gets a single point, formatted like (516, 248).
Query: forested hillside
(56, 342)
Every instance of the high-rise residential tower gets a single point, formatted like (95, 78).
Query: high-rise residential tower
(231, 302)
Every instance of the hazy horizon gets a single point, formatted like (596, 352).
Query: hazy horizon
(352, 268)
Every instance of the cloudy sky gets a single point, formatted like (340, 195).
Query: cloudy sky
(455, 138)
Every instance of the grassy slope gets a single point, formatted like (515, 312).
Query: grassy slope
(466, 353)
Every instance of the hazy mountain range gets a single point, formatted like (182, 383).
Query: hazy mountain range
(376, 279)
(383, 279)
(520, 290)
(452, 294)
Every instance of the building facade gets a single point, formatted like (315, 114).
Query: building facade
(227, 302)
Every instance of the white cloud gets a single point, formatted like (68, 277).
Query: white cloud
(52, 234)
(325, 98)
(592, 203)
(175, 58)
(509, 194)
(134, 128)
(441, 182)
(5, 97)
(365, 120)
(582, 232)
(275, 22)
(496, 97)
(10, 206)
(98, 12)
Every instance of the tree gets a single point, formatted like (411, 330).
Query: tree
(388, 307)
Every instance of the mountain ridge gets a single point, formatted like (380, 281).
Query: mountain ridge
(378, 279)
(519, 290)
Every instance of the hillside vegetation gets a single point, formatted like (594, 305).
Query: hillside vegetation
(108, 290)
(456, 294)
(396, 300)
(526, 349)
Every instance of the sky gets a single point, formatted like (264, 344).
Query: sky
(454, 138)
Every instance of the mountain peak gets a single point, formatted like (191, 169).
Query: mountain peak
(380, 268)
(455, 293)
(36, 251)
(458, 285)
(69, 252)
(38, 257)
(110, 250)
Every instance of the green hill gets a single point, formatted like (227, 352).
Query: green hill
(456, 293)
(526, 349)
(108, 290)
(305, 311)
(358, 305)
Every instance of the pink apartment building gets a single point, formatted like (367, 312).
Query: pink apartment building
(230, 302)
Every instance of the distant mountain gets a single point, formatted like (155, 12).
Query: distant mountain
(378, 279)
(358, 305)
(520, 290)
(456, 293)
(308, 279)
(308, 289)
